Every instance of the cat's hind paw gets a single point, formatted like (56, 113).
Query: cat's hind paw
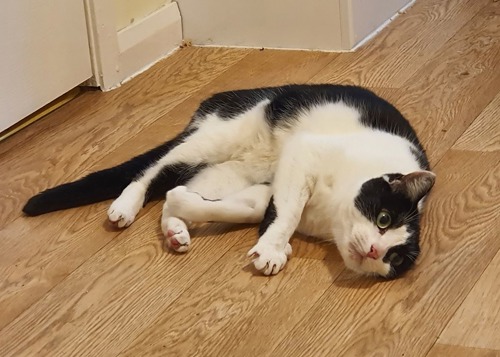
(176, 234)
(121, 215)
(268, 258)
(123, 210)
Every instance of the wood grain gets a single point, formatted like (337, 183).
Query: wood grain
(444, 97)
(484, 133)
(357, 317)
(231, 301)
(440, 350)
(111, 298)
(394, 56)
(477, 322)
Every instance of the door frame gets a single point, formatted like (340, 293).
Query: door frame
(117, 56)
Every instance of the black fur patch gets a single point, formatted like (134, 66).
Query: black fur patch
(269, 217)
(376, 195)
(228, 105)
(170, 177)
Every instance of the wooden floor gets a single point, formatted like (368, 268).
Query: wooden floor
(72, 286)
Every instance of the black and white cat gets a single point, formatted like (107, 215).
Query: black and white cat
(335, 162)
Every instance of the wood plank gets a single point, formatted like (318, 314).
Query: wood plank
(484, 133)
(37, 253)
(358, 317)
(229, 301)
(111, 298)
(440, 350)
(444, 97)
(402, 48)
(96, 123)
(477, 322)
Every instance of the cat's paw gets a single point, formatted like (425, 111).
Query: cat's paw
(176, 234)
(120, 215)
(268, 258)
(123, 210)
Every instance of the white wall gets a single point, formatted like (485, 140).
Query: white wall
(130, 11)
(262, 23)
(329, 25)
(44, 52)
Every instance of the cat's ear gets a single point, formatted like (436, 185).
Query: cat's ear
(415, 185)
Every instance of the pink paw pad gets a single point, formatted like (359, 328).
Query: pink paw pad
(174, 243)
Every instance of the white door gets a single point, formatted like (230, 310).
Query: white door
(44, 52)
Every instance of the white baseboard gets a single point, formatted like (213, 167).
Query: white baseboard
(119, 56)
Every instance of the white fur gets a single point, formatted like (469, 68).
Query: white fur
(316, 169)
(124, 209)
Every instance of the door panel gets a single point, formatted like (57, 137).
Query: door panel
(44, 52)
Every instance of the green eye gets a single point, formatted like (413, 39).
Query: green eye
(396, 259)
(384, 219)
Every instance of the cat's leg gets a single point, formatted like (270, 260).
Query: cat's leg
(292, 188)
(212, 186)
(182, 206)
(246, 206)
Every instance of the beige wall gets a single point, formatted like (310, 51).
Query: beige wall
(329, 25)
(129, 11)
(262, 23)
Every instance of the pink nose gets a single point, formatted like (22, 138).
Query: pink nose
(372, 253)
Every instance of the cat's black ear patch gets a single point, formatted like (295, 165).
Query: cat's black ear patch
(414, 185)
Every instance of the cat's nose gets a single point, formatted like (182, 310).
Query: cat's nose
(373, 253)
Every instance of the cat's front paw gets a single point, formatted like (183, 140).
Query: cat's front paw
(269, 258)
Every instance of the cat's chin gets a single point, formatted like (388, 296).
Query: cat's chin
(367, 267)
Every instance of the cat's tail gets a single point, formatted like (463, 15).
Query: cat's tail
(97, 186)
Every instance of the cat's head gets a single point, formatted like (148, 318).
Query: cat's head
(383, 237)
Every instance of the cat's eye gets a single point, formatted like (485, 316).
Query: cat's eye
(383, 219)
(396, 259)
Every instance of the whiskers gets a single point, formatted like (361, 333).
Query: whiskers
(412, 255)
(411, 215)
(357, 243)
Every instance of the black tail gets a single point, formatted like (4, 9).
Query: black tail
(106, 184)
